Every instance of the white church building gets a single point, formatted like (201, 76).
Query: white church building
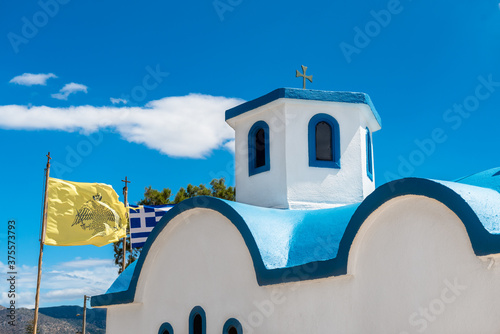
(310, 246)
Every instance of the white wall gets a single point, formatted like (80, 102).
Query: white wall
(291, 182)
(402, 261)
(267, 188)
(313, 187)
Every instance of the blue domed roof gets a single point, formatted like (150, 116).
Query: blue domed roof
(286, 241)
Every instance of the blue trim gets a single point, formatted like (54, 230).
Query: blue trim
(484, 179)
(140, 234)
(136, 207)
(369, 155)
(335, 163)
(198, 310)
(123, 281)
(483, 242)
(232, 323)
(252, 170)
(166, 326)
(304, 94)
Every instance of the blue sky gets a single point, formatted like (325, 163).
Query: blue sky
(139, 89)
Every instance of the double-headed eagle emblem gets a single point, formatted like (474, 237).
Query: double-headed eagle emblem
(95, 215)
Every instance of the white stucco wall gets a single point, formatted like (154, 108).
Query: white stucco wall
(291, 182)
(314, 187)
(267, 188)
(411, 270)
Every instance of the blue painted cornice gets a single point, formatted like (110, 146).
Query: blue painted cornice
(304, 94)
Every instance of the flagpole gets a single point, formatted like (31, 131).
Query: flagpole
(42, 240)
(125, 193)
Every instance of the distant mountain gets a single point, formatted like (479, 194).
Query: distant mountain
(52, 320)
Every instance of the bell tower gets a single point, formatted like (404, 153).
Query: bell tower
(304, 149)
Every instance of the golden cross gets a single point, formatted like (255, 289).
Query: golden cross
(304, 76)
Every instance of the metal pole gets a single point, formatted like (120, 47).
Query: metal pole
(84, 316)
(125, 193)
(42, 240)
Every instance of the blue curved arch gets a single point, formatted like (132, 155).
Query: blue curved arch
(212, 203)
(483, 242)
(166, 327)
(335, 144)
(464, 200)
(198, 310)
(232, 322)
(252, 153)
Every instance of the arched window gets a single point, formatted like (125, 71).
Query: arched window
(166, 328)
(197, 321)
(324, 150)
(324, 141)
(258, 148)
(369, 156)
(232, 326)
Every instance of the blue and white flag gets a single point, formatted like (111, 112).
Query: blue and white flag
(143, 219)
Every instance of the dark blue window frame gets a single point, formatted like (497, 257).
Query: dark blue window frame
(166, 327)
(232, 323)
(252, 150)
(369, 155)
(198, 310)
(335, 145)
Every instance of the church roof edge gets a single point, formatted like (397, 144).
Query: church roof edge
(304, 94)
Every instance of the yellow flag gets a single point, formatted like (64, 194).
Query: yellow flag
(83, 214)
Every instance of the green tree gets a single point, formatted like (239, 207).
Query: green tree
(155, 197)
(152, 196)
(132, 255)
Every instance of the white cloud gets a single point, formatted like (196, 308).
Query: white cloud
(67, 294)
(230, 146)
(78, 262)
(61, 283)
(118, 101)
(30, 79)
(23, 299)
(182, 126)
(69, 89)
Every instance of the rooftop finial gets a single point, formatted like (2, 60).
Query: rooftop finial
(304, 76)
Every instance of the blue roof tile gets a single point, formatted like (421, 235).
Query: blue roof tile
(283, 241)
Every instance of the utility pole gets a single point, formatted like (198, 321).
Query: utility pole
(84, 316)
(125, 193)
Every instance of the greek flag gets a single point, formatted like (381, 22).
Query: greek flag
(143, 219)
